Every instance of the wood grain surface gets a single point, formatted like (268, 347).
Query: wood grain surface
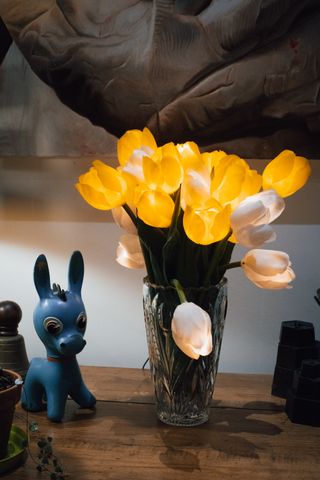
(248, 435)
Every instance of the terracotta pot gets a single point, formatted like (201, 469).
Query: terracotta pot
(8, 400)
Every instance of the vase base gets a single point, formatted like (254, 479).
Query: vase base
(176, 420)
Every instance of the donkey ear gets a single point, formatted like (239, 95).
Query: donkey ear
(41, 277)
(76, 272)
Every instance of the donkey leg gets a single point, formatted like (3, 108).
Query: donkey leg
(82, 396)
(56, 402)
(32, 394)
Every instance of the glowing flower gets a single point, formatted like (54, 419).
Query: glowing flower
(213, 159)
(268, 268)
(191, 330)
(155, 208)
(233, 180)
(103, 187)
(207, 226)
(249, 221)
(190, 155)
(129, 252)
(196, 187)
(163, 170)
(123, 220)
(286, 173)
(195, 190)
(132, 147)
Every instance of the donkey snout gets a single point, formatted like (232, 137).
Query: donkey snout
(72, 345)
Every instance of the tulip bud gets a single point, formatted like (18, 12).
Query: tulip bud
(123, 220)
(286, 173)
(250, 219)
(191, 330)
(268, 268)
(255, 236)
(258, 209)
(129, 252)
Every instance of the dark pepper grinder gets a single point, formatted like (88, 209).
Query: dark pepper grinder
(13, 355)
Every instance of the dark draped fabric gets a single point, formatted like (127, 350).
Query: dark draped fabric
(242, 75)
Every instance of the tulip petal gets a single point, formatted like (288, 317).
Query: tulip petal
(101, 200)
(249, 220)
(163, 170)
(155, 208)
(286, 173)
(263, 207)
(135, 140)
(268, 268)
(267, 262)
(190, 155)
(252, 236)
(191, 330)
(249, 213)
(123, 220)
(128, 253)
(207, 226)
(195, 191)
(103, 187)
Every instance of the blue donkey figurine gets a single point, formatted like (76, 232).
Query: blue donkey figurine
(60, 322)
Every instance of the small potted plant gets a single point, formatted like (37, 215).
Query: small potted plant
(10, 391)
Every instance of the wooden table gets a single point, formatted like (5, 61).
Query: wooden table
(248, 436)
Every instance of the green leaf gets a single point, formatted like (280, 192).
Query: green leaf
(152, 241)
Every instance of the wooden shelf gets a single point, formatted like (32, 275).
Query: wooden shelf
(247, 437)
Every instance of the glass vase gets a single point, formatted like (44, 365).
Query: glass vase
(183, 386)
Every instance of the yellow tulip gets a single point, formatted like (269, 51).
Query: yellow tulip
(190, 155)
(135, 140)
(212, 159)
(196, 187)
(207, 226)
(286, 173)
(233, 180)
(103, 187)
(155, 208)
(163, 170)
(133, 146)
(195, 190)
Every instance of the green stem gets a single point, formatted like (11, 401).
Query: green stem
(176, 213)
(219, 251)
(180, 292)
(231, 265)
(131, 214)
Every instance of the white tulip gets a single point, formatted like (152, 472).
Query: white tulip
(129, 252)
(191, 330)
(123, 220)
(252, 236)
(249, 221)
(268, 268)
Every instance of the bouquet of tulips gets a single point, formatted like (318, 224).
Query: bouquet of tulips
(184, 210)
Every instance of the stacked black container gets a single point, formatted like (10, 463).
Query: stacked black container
(303, 400)
(297, 372)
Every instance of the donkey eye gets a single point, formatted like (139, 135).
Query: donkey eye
(82, 321)
(52, 325)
